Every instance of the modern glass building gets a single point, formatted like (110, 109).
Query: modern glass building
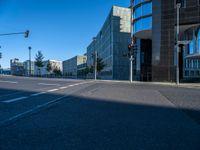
(111, 44)
(154, 26)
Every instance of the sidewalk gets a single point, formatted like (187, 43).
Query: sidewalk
(182, 85)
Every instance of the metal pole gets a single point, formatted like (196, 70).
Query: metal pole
(177, 57)
(29, 60)
(131, 55)
(95, 68)
(131, 68)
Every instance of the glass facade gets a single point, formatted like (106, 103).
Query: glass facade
(198, 41)
(142, 16)
(143, 24)
(192, 65)
(136, 2)
(194, 45)
(143, 10)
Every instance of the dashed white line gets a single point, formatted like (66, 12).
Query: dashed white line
(48, 84)
(41, 93)
(37, 94)
(64, 87)
(15, 99)
(13, 82)
(53, 90)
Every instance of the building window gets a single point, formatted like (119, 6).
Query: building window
(195, 63)
(191, 47)
(143, 24)
(198, 41)
(143, 10)
(198, 2)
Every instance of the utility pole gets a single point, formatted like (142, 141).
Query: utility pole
(132, 42)
(95, 68)
(95, 59)
(29, 60)
(178, 6)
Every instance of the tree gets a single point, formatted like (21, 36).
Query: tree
(39, 61)
(57, 71)
(49, 67)
(100, 64)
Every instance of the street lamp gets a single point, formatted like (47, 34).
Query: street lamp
(95, 60)
(178, 6)
(29, 48)
(132, 43)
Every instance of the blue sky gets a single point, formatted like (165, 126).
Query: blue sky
(61, 29)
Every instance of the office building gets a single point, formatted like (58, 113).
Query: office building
(17, 67)
(27, 68)
(70, 66)
(154, 26)
(111, 44)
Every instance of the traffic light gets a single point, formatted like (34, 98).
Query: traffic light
(0, 55)
(26, 34)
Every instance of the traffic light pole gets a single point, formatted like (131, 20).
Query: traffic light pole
(29, 48)
(95, 66)
(131, 68)
(178, 5)
(26, 33)
(131, 53)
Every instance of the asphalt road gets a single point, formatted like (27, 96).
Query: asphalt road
(61, 114)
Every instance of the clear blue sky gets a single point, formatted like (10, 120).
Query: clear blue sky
(60, 28)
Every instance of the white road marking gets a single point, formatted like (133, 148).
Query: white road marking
(48, 84)
(34, 109)
(52, 90)
(41, 93)
(64, 87)
(36, 94)
(9, 82)
(14, 100)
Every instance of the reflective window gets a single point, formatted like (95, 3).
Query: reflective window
(195, 64)
(143, 10)
(143, 24)
(198, 41)
(191, 47)
(135, 2)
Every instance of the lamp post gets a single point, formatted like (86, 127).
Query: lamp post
(95, 60)
(95, 66)
(132, 43)
(29, 48)
(178, 6)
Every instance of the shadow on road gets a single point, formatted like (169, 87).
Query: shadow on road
(81, 122)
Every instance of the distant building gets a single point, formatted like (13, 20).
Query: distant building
(5, 71)
(70, 65)
(27, 67)
(111, 44)
(55, 64)
(17, 67)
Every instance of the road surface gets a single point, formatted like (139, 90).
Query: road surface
(62, 114)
